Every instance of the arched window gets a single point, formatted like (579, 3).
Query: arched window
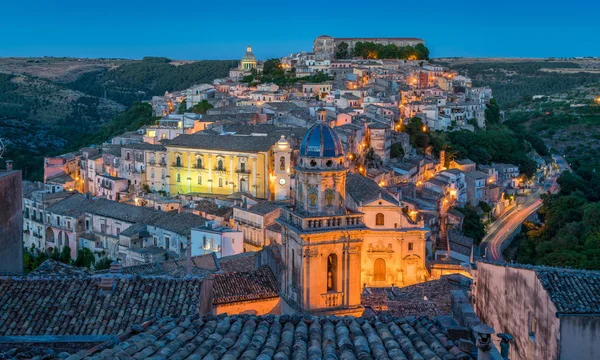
(178, 161)
(199, 163)
(282, 163)
(220, 182)
(199, 179)
(379, 219)
(220, 164)
(178, 177)
(379, 270)
(332, 272)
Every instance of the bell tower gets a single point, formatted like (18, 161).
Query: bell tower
(282, 152)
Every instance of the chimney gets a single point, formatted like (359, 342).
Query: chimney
(9, 165)
(107, 283)
(505, 345)
(484, 341)
(205, 305)
(116, 267)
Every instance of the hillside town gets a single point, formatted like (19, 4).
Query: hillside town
(289, 209)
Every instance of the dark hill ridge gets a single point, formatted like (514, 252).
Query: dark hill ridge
(50, 105)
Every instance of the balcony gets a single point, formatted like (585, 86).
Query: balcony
(154, 163)
(247, 222)
(243, 171)
(320, 223)
(177, 166)
(332, 299)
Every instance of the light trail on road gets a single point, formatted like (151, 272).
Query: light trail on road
(513, 219)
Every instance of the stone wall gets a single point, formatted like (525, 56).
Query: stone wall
(11, 223)
(579, 337)
(509, 299)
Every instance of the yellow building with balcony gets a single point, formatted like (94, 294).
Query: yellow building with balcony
(221, 165)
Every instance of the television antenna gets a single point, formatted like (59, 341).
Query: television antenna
(2, 148)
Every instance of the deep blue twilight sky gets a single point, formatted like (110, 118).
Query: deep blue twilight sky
(220, 29)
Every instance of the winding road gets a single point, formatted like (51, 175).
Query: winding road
(501, 229)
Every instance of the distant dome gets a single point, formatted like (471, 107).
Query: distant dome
(321, 141)
(249, 56)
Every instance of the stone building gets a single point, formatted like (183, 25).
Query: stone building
(343, 233)
(225, 164)
(552, 313)
(11, 221)
(327, 45)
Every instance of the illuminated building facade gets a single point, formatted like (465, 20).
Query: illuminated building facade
(226, 164)
(343, 232)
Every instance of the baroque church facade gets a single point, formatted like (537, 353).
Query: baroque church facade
(343, 232)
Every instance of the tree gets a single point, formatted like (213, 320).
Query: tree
(182, 107)
(65, 255)
(371, 158)
(423, 52)
(201, 107)
(272, 67)
(397, 151)
(492, 112)
(85, 258)
(341, 51)
(248, 79)
(103, 264)
(54, 254)
(472, 225)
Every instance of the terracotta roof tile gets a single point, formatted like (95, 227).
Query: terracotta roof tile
(76, 306)
(287, 337)
(245, 286)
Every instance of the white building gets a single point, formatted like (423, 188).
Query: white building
(221, 240)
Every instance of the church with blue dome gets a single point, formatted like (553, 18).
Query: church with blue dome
(343, 232)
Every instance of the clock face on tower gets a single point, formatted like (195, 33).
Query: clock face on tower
(281, 181)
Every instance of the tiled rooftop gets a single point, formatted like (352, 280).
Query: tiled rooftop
(70, 305)
(245, 286)
(239, 262)
(54, 268)
(201, 265)
(572, 291)
(410, 300)
(224, 142)
(285, 337)
(77, 306)
(364, 190)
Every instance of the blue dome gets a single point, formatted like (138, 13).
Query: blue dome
(321, 141)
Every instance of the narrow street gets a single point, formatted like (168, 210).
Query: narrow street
(501, 229)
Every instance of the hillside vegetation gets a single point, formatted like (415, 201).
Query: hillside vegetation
(515, 81)
(569, 231)
(140, 80)
(50, 106)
